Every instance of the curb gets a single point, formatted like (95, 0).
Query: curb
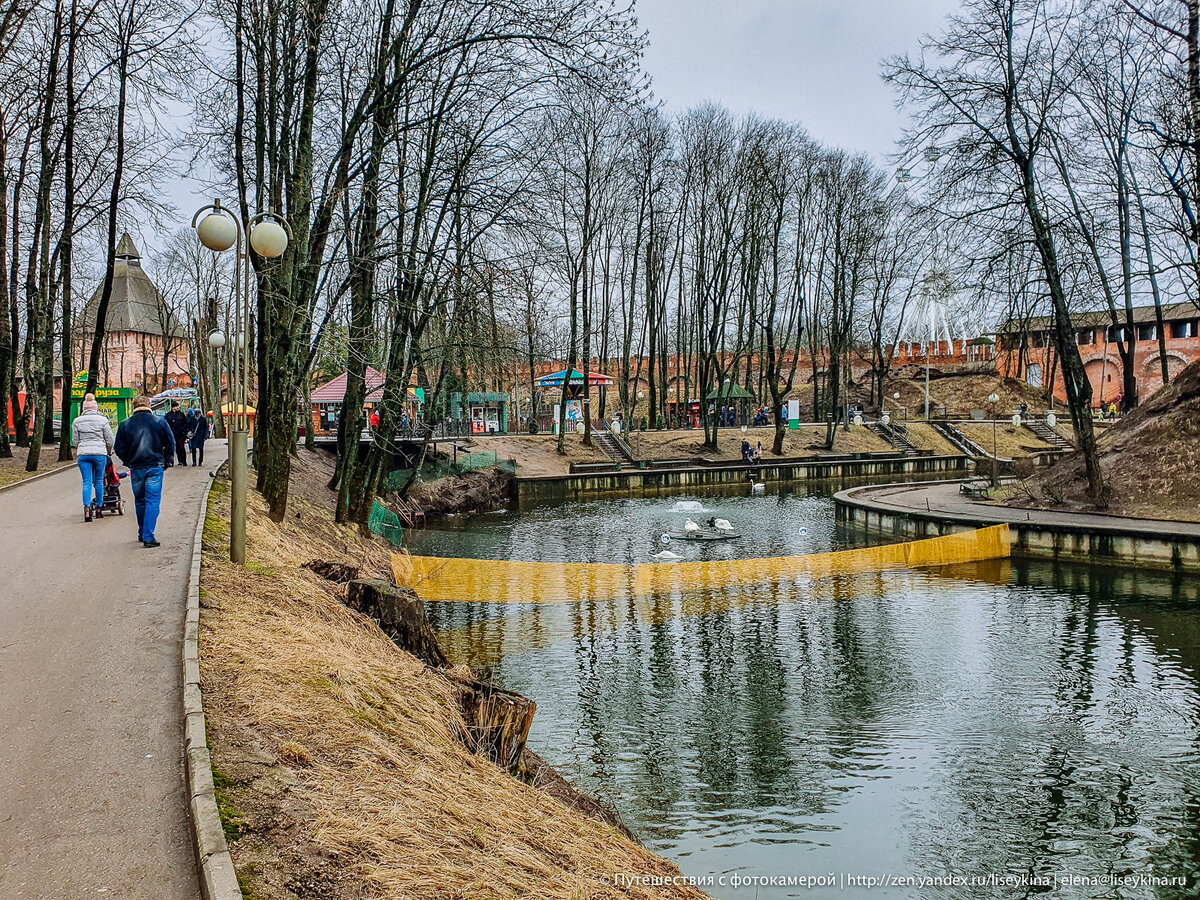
(218, 879)
(39, 475)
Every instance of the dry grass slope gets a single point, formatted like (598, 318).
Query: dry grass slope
(342, 754)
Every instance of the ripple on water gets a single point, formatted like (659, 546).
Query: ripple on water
(995, 718)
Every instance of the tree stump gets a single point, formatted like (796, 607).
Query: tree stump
(401, 615)
(340, 573)
(498, 724)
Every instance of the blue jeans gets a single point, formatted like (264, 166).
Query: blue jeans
(147, 491)
(91, 466)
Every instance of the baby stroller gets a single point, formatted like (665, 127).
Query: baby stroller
(112, 491)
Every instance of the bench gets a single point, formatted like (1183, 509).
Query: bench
(979, 489)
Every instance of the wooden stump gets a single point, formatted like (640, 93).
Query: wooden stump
(341, 573)
(401, 615)
(498, 724)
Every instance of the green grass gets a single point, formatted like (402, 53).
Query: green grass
(245, 882)
(231, 820)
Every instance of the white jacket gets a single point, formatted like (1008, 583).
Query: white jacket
(92, 434)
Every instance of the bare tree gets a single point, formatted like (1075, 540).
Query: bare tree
(995, 100)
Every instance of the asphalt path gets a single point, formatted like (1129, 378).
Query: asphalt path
(947, 500)
(92, 797)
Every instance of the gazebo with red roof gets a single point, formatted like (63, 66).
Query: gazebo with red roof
(328, 398)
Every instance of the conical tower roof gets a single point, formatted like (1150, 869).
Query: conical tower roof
(126, 249)
(136, 304)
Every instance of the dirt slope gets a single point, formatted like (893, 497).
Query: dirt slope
(1150, 459)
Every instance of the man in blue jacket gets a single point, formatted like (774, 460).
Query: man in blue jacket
(144, 443)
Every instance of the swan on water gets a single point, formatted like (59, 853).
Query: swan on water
(689, 526)
(722, 524)
(666, 555)
(758, 487)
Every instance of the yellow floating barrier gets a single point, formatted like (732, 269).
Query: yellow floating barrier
(509, 581)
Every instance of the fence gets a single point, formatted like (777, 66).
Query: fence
(385, 523)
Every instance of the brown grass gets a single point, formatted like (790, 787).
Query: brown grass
(342, 750)
(962, 393)
(1010, 442)
(12, 469)
(805, 441)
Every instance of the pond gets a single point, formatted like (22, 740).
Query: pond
(998, 729)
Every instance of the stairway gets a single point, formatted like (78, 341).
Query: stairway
(958, 439)
(895, 435)
(611, 448)
(1049, 435)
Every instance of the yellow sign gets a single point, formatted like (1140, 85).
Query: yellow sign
(77, 393)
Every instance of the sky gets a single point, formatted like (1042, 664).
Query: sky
(815, 62)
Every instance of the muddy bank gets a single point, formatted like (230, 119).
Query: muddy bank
(472, 492)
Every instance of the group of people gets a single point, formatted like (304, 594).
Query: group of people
(751, 455)
(146, 444)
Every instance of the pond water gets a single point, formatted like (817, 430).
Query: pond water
(1005, 721)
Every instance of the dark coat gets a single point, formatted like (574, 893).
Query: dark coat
(179, 425)
(144, 441)
(199, 432)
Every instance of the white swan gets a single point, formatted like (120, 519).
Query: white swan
(666, 556)
(690, 526)
(758, 487)
(722, 525)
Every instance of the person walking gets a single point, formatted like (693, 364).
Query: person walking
(197, 436)
(145, 443)
(178, 424)
(92, 436)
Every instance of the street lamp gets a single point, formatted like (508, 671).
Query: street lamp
(220, 230)
(993, 399)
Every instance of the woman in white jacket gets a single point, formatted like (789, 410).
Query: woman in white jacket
(93, 438)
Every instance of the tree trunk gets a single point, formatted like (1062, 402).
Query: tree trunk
(401, 615)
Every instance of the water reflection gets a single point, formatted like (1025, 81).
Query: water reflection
(1003, 718)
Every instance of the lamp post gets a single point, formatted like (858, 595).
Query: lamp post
(268, 236)
(993, 399)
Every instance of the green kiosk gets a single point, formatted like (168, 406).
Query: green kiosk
(114, 402)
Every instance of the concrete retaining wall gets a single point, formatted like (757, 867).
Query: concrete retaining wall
(638, 482)
(1114, 545)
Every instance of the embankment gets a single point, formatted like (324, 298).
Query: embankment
(338, 758)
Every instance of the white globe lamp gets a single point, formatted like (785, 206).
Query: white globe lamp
(216, 340)
(1051, 419)
(857, 419)
(268, 239)
(217, 231)
(884, 419)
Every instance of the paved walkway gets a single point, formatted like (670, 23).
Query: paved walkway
(947, 501)
(92, 799)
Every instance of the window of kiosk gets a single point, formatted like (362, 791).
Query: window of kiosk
(493, 420)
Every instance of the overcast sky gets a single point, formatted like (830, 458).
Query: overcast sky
(815, 62)
(811, 61)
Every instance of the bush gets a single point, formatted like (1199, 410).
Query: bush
(660, 424)
(533, 429)
(643, 423)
